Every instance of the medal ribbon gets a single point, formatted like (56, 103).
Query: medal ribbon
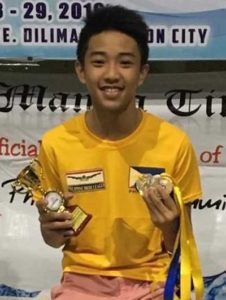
(185, 259)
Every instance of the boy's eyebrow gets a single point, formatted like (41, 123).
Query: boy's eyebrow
(97, 53)
(93, 53)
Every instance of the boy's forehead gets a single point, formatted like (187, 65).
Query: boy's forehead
(112, 41)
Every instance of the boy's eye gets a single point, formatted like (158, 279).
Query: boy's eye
(126, 62)
(98, 62)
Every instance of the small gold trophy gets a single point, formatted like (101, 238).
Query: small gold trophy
(146, 181)
(29, 179)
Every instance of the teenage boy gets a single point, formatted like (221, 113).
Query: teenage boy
(123, 252)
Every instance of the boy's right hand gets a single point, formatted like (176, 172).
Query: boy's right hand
(56, 228)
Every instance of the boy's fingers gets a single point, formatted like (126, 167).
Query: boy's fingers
(41, 206)
(67, 197)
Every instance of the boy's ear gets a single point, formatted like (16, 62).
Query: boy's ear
(79, 70)
(143, 73)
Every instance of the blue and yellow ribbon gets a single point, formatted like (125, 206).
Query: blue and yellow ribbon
(185, 269)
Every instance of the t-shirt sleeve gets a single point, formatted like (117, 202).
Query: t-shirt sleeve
(186, 172)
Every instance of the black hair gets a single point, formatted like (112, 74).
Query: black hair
(117, 18)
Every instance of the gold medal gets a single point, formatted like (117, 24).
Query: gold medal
(147, 181)
(143, 183)
(167, 182)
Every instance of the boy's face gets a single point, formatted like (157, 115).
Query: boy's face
(112, 70)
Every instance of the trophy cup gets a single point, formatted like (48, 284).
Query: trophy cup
(146, 181)
(29, 179)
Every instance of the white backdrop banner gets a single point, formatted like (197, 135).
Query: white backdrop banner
(49, 29)
(27, 265)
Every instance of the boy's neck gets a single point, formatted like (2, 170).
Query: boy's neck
(113, 126)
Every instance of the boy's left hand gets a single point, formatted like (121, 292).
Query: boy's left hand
(163, 209)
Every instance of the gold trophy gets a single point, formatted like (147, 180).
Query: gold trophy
(30, 178)
(146, 181)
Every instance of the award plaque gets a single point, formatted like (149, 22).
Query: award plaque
(29, 179)
(146, 181)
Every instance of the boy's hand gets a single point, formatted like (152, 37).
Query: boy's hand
(56, 228)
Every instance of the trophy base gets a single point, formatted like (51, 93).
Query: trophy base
(79, 219)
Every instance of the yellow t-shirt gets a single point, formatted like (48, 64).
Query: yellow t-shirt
(120, 239)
